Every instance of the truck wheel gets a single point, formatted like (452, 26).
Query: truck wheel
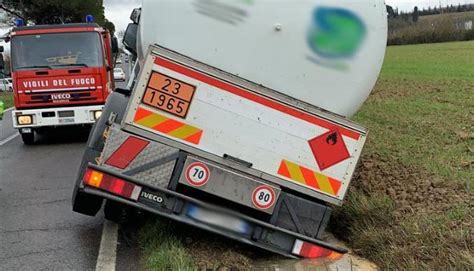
(85, 203)
(28, 139)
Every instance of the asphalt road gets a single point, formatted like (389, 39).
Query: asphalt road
(38, 229)
(37, 226)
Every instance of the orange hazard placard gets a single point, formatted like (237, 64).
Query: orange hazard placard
(169, 94)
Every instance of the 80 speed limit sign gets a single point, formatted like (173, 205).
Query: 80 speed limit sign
(197, 174)
(263, 197)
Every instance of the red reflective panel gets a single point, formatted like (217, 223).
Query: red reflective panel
(127, 152)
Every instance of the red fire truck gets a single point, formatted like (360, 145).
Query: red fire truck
(62, 75)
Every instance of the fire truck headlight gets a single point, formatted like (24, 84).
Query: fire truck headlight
(24, 119)
(97, 114)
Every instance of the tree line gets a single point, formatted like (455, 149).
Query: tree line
(56, 11)
(450, 23)
(394, 13)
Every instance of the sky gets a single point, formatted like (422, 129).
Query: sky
(118, 12)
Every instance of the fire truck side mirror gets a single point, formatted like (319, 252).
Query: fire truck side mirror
(130, 38)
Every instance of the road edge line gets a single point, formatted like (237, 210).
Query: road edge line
(8, 139)
(106, 259)
(8, 109)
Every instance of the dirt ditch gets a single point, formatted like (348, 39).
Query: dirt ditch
(402, 217)
(412, 190)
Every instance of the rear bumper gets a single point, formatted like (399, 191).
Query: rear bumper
(59, 116)
(209, 217)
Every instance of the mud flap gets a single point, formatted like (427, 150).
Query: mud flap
(300, 215)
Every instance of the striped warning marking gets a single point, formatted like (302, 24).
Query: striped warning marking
(308, 177)
(168, 126)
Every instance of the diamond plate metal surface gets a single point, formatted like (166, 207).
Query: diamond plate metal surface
(144, 167)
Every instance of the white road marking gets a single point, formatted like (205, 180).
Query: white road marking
(108, 247)
(8, 139)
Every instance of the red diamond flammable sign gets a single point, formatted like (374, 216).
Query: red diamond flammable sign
(329, 149)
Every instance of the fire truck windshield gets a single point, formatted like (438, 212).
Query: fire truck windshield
(56, 50)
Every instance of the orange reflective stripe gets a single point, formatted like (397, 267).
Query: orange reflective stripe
(141, 113)
(168, 126)
(309, 178)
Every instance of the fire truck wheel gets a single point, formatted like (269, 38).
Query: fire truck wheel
(28, 139)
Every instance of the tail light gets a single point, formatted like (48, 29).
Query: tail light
(111, 184)
(309, 250)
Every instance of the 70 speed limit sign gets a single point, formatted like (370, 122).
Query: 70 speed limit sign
(263, 197)
(197, 174)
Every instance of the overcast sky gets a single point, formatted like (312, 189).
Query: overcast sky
(118, 11)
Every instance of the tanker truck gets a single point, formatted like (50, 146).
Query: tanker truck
(236, 118)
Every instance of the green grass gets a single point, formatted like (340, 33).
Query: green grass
(422, 110)
(162, 248)
(7, 99)
(433, 62)
(411, 208)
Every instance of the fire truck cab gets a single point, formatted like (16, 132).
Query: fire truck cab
(62, 75)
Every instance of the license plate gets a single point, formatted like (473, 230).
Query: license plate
(220, 220)
(168, 94)
(66, 120)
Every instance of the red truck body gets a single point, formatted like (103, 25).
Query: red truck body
(62, 75)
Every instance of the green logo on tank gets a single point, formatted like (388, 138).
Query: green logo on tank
(335, 32)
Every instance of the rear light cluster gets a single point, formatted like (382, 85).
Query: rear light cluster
(309, 250)
(111, 184)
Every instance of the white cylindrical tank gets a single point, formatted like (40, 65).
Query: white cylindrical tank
(325, 52)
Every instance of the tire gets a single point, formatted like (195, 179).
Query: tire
(84, 203)
(28, 139)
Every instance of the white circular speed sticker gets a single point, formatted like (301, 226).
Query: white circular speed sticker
(263, 197)
(197, 174)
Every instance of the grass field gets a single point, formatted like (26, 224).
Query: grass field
(411, 203)
(7, 99)
(411, 207)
